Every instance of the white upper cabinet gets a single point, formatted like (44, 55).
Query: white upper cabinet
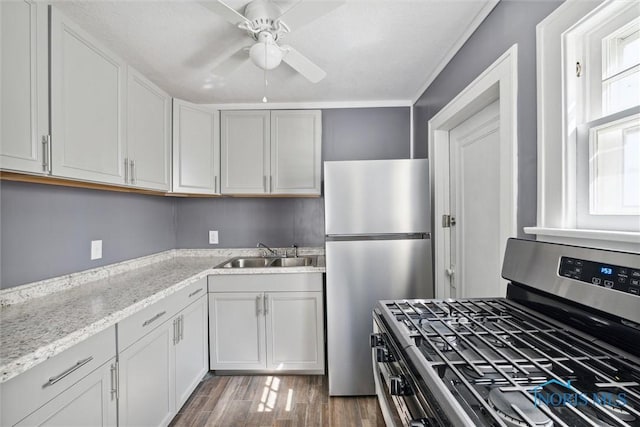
(148, 134)
(87, 105)
(24, 87)
(245, 152)
(196, 148)
(296, 151)
(271, 152)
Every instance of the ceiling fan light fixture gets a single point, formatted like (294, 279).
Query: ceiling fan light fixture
(266, 55)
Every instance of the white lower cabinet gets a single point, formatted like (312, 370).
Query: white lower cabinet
(164, 357)
(277, 324)
(74, 388)
(146, 380)
(89, 402)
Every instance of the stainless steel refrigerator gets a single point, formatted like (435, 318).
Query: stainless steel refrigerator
(377, 224)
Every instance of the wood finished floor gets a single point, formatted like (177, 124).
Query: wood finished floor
(282, 400)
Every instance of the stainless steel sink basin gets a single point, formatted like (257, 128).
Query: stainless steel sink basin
(263, 262)
(246, 263)
(292, 262)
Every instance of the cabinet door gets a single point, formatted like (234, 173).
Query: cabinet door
(236, 331)
(296, 151)
(87, 100)
(196, 148)
(148, 133)
(89, 402)
(295, 331)
(191, 350)
(24, 87)
(245, 152)
(147, 391)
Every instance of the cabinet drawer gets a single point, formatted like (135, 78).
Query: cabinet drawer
(138, 325)
(285, 282)
(27, 392)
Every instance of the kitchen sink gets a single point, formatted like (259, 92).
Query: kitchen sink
(262, 262)
(292, 262)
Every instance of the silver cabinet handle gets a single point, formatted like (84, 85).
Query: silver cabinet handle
(266, 304)
(115, 382)
(126, 170)
(258, 304)
(78, 365)
(46, 153)
(153, 319)
(215, 184)
(181, 329)
(133, 171)
(175, 331)
(194, 292)
(270, 184)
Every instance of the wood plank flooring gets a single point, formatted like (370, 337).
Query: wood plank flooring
(282, 400)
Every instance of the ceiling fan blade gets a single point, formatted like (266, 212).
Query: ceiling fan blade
(225, 11)
(227, 64)
(303, 65)
(304, 12)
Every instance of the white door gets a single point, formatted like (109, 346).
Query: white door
(191, 350)
(148, 133)
(296, 138)
(89, 402)
(24, 87)
(294, 330)
(196, 148)
(244, 141)
(87, 105)
(147, 391)
(475, 205)
(236, 331)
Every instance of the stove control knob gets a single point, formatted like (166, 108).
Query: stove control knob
(376, 340)
(398, 386)
(383, 355)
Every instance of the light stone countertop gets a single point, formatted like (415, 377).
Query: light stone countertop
(43, 319)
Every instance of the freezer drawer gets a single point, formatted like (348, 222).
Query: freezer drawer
(359, 273)
(377, 197)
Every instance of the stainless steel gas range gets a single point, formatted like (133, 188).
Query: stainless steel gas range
(562, 349)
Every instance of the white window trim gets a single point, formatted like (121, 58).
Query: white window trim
(556, 155)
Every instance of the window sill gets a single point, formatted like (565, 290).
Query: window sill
(605, 239)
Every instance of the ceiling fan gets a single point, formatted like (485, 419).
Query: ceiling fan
(265, 23)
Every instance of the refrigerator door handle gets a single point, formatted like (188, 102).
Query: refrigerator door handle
(386, 236)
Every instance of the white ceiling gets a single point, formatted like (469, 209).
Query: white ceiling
(372, 50)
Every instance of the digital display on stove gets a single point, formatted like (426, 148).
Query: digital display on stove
(619, 278)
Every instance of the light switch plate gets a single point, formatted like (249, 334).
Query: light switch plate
(96, 249)
(213, 237)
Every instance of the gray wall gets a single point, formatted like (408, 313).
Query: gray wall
(46, 231)
(512, 21)
(347, 134)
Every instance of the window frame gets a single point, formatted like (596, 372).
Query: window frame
(557, 139)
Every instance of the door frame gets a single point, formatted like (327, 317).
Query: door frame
(498, 82)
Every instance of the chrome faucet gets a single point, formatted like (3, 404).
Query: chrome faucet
(295, 250)
(262, 245)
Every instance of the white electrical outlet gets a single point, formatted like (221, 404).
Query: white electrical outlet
(213, 237)
(96, 249)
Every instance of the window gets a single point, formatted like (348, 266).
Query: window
(604, 89)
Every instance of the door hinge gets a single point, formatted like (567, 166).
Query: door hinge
(448, 221)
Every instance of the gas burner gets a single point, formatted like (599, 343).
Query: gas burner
(516, 410)
(620, 412)
(443, 344)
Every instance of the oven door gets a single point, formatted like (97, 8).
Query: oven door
(394, 383)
